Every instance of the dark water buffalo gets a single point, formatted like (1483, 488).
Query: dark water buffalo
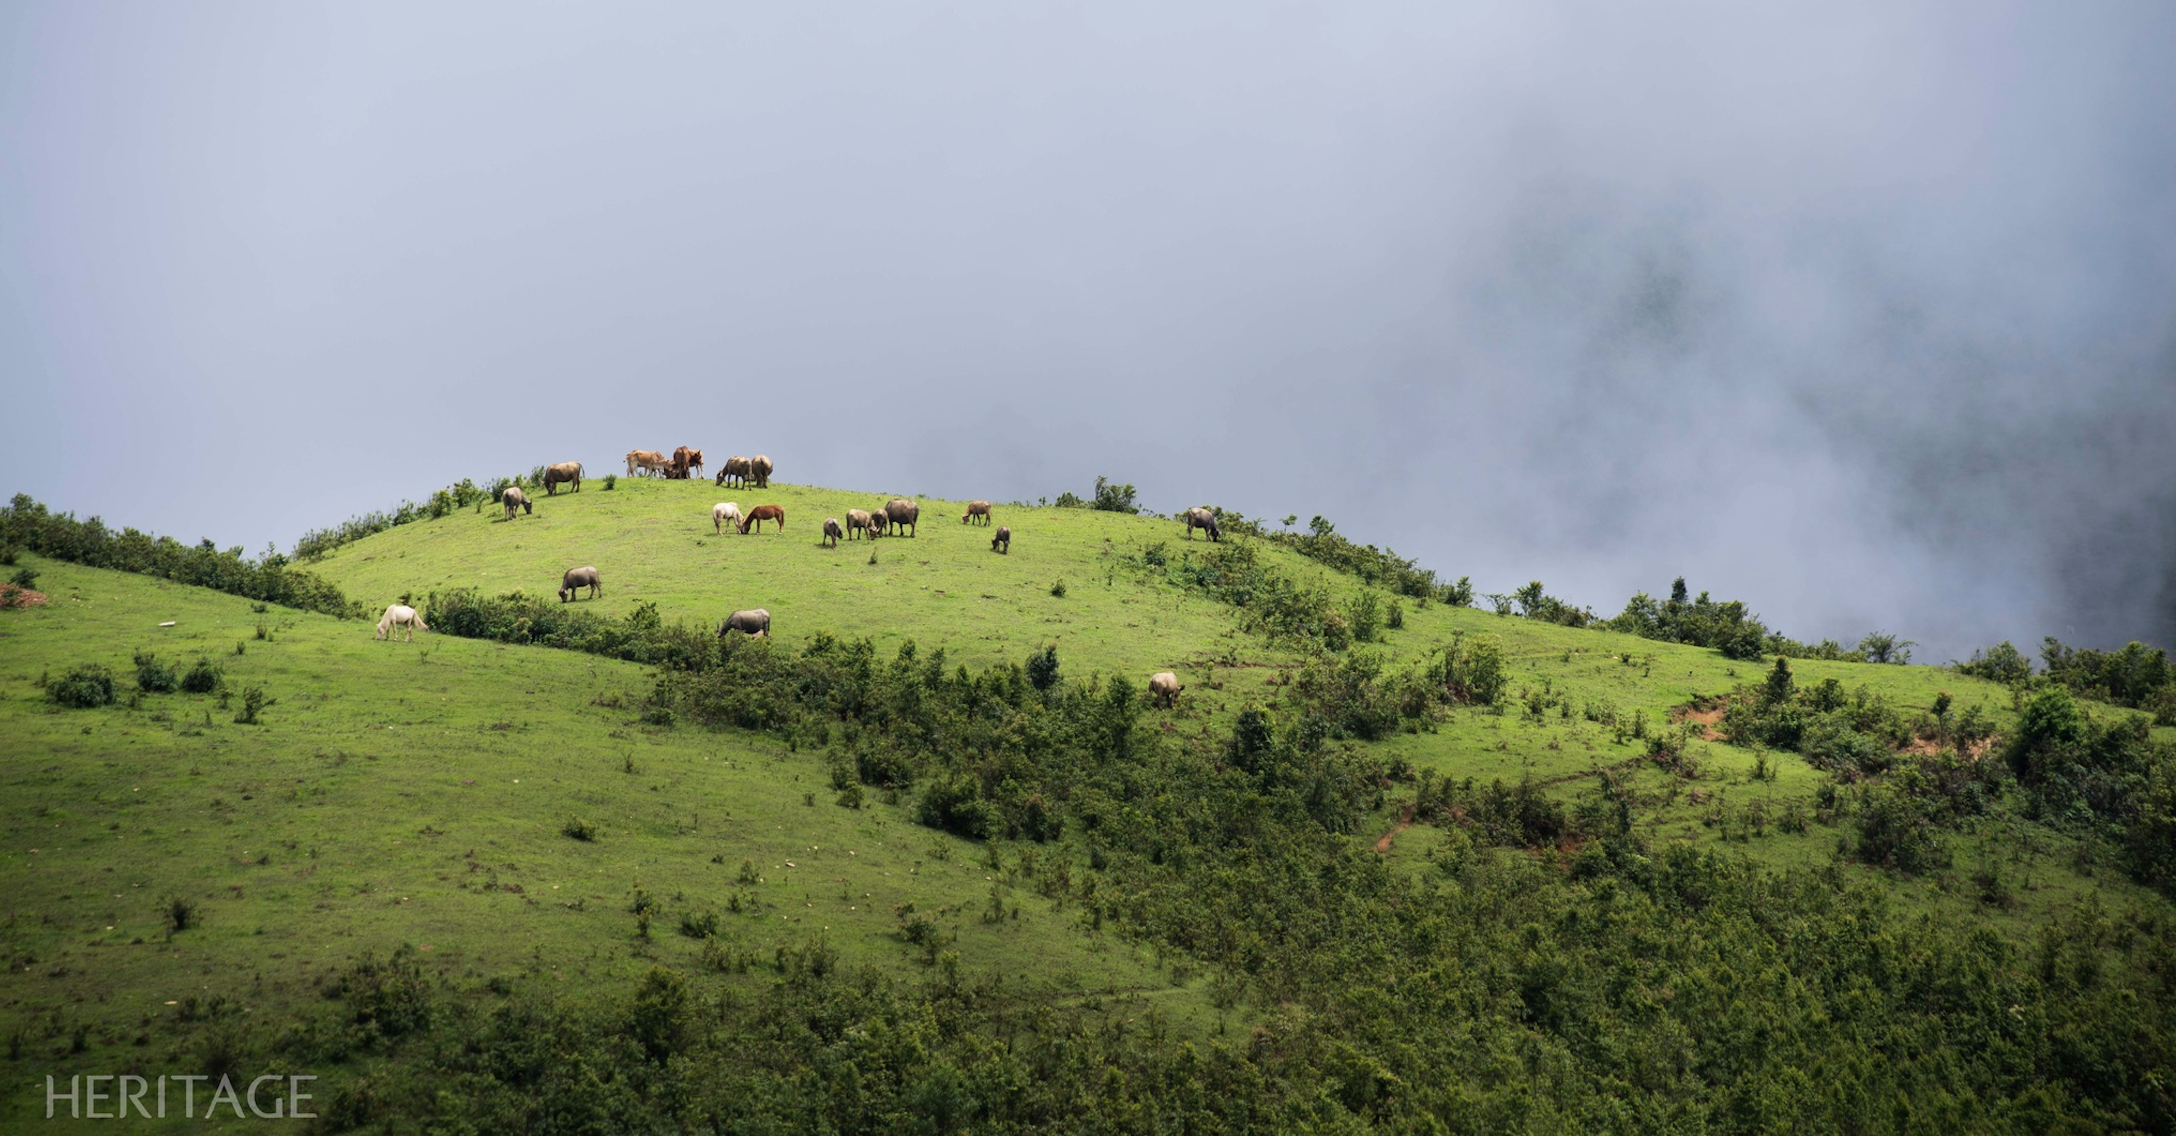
(976, 510)
(1165, 686)
(755, 621)
(516, 499)
(1001, 541)
(568, 472)
(578, 578)
(735, 471)
(1202, 519)
(901, 513)
(832, 531)
(759, 471)
(762, 513)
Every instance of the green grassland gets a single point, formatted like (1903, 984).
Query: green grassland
(418, 793)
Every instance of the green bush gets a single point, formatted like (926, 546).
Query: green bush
(254, 700)
(154, 677)
(25, 578)
(2001, 663)
(83, 687)
(203, 678)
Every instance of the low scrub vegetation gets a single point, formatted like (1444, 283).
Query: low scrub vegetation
(28, 524)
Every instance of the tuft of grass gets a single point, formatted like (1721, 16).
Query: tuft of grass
(579, 829)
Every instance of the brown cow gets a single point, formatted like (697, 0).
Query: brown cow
(832, 531)
(695, 461)
(677, 468)
(648, 461)
(976, 509)
(762, 513)
(570, 472)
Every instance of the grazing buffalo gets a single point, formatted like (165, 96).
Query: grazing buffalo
(568, 472)
(401, 615)
(1202, 519)
(578, 578)
(735, 471)
(1165, 686)
(516, 499)
(721, 514)
(762, 513)
(900, 512)
(832, 531)
(976, 509)
(755, 621)
(759, 471)
(1002, 541)
(648, 461)
(857, 521)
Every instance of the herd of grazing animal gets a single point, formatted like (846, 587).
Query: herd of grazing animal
(895, 517)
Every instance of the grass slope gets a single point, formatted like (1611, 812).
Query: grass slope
(416, 793)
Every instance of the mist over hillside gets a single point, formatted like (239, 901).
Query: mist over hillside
(1864, 317)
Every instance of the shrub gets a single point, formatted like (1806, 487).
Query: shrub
(1883, 647)
(1893, 832)
(154, 677)
(83, 687)
(2002, 663)
(1043, 668)
(180, 914)
(388, 997)
(611, 480)
(955, 805)
(579, 829)
(1114, 498)
(1058, 589)
(25, 578)
(253, 700)
(203, 678)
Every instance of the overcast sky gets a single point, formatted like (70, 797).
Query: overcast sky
(1866, 315)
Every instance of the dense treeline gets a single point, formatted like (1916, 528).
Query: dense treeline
(26, 524)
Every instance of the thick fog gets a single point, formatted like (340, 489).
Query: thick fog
(1865, 315)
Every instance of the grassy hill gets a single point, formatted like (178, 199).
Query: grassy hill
(529, 830)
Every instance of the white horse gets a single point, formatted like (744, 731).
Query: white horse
(723, 512)
(401, 615)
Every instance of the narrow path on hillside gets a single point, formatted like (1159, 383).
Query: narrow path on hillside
(1405, 821)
